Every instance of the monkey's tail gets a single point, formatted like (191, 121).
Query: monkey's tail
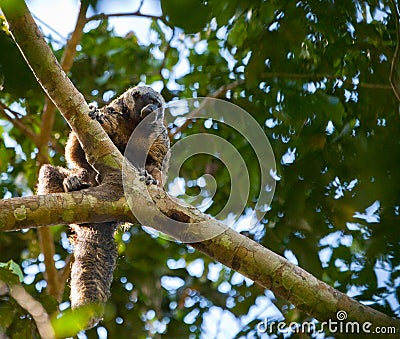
(95, 256)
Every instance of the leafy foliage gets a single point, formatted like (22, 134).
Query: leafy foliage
(314, 74)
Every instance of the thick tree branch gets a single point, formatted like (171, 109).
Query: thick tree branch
(91, 205)
(55, 286)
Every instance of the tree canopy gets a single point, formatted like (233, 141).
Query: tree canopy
(315, 75)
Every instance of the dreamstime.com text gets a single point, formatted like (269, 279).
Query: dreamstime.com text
(340, 325)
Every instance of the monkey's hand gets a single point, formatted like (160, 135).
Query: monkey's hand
(147, 177)
(73, 183)
(95, 114)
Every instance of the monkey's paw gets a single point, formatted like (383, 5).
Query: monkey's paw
(95, 114)
(73, 183)
(148, 109)
(147, 177)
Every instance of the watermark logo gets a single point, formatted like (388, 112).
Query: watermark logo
(212, 114)
(332, 326)
(341, 315)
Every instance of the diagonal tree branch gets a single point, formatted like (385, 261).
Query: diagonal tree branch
(55, 286)
(36, 310)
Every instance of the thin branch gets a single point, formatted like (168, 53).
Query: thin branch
(34, 308)
(66, 271)
(223, 89)
(49, 27)
(46, 242)
(166, 52)
(23, 128)
(76, 37)
(17, 123)
(102, 16)
(17, 115)
(140, 5)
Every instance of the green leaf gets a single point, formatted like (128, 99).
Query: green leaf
(71, 322)
(11, 273)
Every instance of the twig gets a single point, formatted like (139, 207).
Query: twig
(66, 271)
(136, 13)
(223, 89)
(22, 127)
(46, 242)
(76, 36)
(17, 123)
(49, 27)
(15, 113)
(140, 5)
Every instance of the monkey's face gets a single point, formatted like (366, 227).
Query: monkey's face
(146, 100)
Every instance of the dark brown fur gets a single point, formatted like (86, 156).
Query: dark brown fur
(94, 248)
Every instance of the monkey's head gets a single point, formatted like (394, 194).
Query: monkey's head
(141, 101)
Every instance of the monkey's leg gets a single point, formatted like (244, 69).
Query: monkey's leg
(55, 179)
(51, 179)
